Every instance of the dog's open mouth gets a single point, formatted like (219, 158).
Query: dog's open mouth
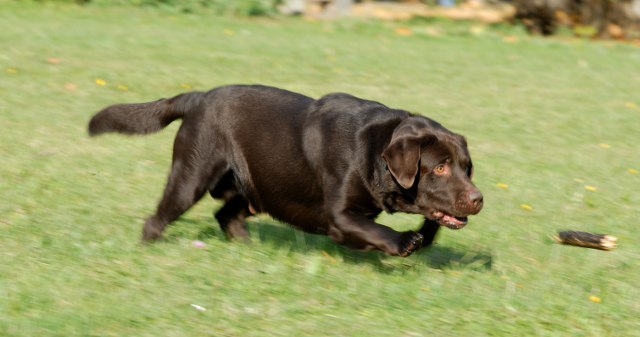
(449, 221)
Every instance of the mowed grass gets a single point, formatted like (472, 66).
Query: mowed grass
(552, 124)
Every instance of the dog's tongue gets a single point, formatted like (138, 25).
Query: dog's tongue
(454, 221)
(450, 221)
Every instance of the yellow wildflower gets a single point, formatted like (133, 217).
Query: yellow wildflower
(101, 82)
(526, 207)
(595, 299)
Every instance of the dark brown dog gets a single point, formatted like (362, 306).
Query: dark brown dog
(326, 166)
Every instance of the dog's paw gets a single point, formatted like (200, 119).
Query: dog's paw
(151, 234)
(410, 242)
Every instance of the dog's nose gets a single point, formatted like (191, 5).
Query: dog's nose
(475, 199)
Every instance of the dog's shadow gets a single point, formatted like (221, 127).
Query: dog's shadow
(284, 237)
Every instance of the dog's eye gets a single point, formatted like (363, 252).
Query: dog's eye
(440, 170)
(470, 171)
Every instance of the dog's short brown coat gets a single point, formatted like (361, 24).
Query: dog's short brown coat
(326, 166)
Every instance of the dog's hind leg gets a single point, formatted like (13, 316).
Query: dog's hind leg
(192, 172)
(231, 218)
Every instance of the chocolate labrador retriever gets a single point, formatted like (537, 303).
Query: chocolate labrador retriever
(326, 166)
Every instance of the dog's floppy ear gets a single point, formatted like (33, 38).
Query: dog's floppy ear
(403, 153)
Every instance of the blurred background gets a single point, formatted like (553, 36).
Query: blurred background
(546, 93)
(592, 18)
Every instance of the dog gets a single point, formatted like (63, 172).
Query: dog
(327, 166)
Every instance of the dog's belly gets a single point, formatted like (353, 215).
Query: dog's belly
(302, 217)
(301, 210)
(276, 180)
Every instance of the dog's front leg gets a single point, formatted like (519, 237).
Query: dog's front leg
(429, 230)
(359, 232)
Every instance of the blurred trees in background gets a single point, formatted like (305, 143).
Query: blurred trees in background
(592, 18)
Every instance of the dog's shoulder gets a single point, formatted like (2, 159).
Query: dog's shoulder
(345, 133)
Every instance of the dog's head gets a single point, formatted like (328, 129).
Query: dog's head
(432, 169)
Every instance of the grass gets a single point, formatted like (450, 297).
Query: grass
(547, 117)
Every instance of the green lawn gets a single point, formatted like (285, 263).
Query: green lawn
(556, 120)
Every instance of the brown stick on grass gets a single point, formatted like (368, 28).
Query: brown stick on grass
(588, 240)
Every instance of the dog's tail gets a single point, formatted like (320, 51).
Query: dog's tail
(143, 118)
